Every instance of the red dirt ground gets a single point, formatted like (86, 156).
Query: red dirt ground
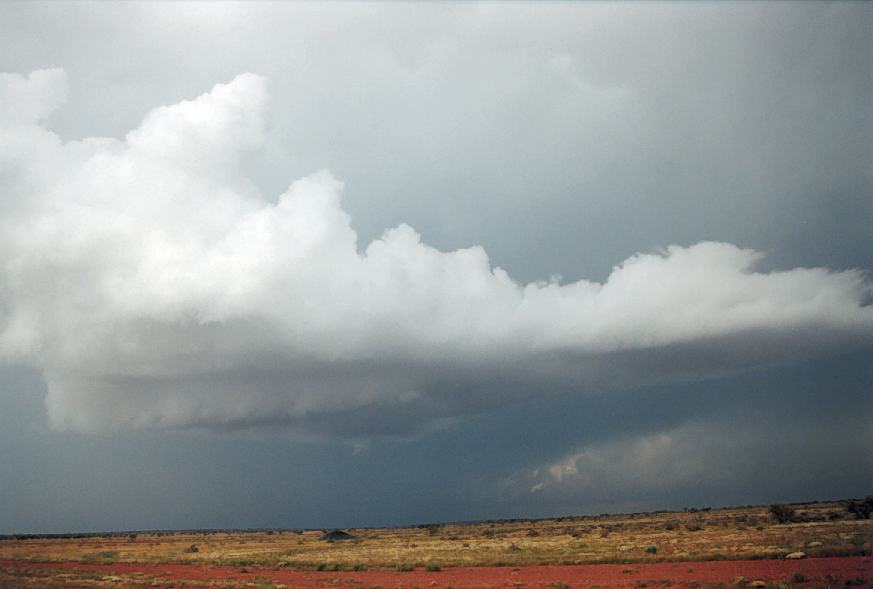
(834, 569)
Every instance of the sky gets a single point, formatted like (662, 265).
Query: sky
(334, 265)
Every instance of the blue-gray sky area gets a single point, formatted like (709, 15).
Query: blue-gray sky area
(331, 265)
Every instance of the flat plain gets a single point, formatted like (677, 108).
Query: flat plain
(822, 546)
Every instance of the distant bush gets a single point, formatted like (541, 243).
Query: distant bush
(192, 549)
(433, 568)
(861, 509)
(432, 529)
(405, 568)
(782, 513)
(651, 550)
(671, 524)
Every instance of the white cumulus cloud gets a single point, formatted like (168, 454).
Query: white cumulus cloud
(155, 286)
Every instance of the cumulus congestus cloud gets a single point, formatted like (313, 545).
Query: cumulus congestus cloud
(155, 286)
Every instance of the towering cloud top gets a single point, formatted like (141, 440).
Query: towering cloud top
(156, 287)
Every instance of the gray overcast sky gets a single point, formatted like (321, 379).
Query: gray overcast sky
(270, 264)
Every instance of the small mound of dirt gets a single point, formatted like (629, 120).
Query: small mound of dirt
(336, 536)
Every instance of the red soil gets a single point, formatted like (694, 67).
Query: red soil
(831, 570)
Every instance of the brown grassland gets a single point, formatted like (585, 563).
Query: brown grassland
(822, 529)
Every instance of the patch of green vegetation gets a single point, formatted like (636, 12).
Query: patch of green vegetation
(97, 557)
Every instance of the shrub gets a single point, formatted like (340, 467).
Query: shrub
(651, 550)
(100, 556)
(861, 509)
(433, 568)
(405, 568)
(192, 549)
(782, 513)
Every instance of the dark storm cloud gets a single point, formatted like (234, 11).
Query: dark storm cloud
(786, 433)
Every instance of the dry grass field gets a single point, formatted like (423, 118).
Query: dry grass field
(744, 533)
(732, 533)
